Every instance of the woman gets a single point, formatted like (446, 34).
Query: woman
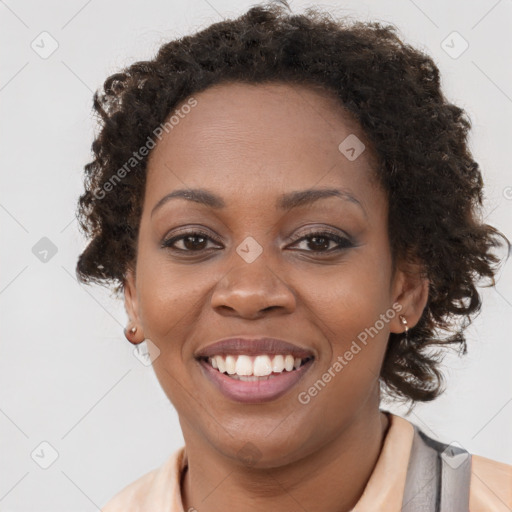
(290, 208)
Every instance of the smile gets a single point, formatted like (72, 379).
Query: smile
(254, 379)
(255, 366)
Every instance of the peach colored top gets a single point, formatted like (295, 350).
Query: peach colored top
(490, 484)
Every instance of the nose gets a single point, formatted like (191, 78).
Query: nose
(249, 290)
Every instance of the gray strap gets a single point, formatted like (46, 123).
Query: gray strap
(438, 477)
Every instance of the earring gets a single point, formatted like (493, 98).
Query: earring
(403, 320)
(127, 331)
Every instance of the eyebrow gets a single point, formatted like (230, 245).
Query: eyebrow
(285, 202)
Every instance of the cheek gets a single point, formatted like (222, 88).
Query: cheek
(168, 296)
(348, 303)
(168, 308)
(348, 297)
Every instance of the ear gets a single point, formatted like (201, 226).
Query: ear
(410, 290)
(131, 306)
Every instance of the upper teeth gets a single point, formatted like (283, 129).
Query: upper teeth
(258, 366)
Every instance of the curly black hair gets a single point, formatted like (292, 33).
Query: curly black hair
(433, 185)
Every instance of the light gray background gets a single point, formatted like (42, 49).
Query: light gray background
(67, 374)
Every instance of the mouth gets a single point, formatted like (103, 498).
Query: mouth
(258, 368)
(254, 370)
(254, 379)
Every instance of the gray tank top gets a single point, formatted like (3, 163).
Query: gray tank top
(438, 476)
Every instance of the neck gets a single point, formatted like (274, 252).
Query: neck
(331, 479)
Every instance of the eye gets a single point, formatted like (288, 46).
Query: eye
(321, 240)
(317, 242)
(191, 241)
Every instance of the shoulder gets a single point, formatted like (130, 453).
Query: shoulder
(488, 482)
(491, 485)
(152, 491)
(131, 497)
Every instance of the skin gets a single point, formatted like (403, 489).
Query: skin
(249, 144)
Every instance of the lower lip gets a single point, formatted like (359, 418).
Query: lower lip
(253, 392)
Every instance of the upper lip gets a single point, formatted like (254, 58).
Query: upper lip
(253, 346)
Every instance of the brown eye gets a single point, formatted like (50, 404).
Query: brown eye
(321, 242)
(193, 241)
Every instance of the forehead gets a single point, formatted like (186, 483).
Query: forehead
(260, 137)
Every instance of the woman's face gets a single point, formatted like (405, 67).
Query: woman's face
(252, 271)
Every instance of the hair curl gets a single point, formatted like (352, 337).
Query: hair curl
(434, 186)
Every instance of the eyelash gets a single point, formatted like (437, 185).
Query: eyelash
(343, 242)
